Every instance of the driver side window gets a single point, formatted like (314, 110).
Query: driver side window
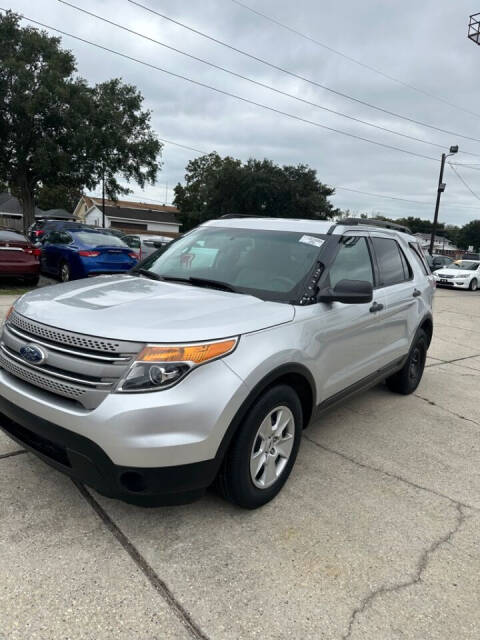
(352, 262)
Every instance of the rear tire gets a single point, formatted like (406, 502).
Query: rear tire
(64, 272)
(473, 285)
(264, 450)
(32, 281)
(408, 378)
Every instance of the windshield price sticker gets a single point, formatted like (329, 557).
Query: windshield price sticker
(316, 242)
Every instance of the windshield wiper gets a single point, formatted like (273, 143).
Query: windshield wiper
(202, 282)
(147, 274)
(215, 284)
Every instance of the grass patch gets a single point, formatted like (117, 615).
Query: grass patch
(15, 291)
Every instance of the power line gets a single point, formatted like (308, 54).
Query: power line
(232, 95)
(464, 182)
(381, 195)
(354, 60)
(256, 82)
(303, 78)
(389, 197)
(184, 146)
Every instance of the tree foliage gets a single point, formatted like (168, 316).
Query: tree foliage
(58, 197)
(215, 186)
(469, 235)
(55, 130)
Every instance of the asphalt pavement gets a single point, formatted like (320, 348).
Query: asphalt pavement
(374, 537)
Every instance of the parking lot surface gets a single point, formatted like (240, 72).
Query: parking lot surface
(375, 536)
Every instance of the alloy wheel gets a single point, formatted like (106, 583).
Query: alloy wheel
(272, 447)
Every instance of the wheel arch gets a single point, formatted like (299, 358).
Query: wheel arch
(427, 326)
(294, 375)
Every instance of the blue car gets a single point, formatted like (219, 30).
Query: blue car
(73, 253)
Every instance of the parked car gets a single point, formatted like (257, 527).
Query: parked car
(468, 255)
(18, 257)
(114, 232)
(145, 245)
(206, 362)
(437, 261)
(41, 227)
(75, 252)
(463, 274)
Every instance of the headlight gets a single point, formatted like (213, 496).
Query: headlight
(158, 367)
(460, 277)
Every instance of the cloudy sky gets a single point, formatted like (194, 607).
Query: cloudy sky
(422, 44)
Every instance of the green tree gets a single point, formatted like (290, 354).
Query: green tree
(56, 131)
(469, 235)
(58, 197)
(215, 186)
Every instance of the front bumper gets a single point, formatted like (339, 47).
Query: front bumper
(83, 460)
(167, 441)
(453, 284)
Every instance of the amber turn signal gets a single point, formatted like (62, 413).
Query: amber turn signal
(196, 353)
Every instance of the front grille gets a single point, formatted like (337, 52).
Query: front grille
(82, 368)
(40, 380)
(63, 337)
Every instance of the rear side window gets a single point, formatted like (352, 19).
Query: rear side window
(420, 256)
(392, 264)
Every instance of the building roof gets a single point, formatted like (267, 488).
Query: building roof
(127, 204)
(140, 215)
(10, 205)
(58, 213)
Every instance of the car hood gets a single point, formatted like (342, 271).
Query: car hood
(134, 308)
(453, 272)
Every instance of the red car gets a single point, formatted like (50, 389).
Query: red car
(18, 257)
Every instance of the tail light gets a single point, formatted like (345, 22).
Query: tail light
(134, 256)
(32, 251)
(89, 254)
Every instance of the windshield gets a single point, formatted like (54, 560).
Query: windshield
(465, 265)
(271, 265)
(97, 239)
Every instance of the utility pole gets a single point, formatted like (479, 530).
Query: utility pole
(440, 190)
(103, 198)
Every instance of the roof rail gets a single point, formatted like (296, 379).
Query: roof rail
(240, 215)
(371, 222)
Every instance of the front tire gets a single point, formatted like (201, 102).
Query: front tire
(473, 285)
(64, 272)
(408, 378)
(264, 450)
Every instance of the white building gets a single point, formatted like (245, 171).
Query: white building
(440, 244)
(132, 217)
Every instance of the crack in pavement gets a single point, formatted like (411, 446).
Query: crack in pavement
(437, 364)
(389, 474)
(422, 565)
(157, 583)
(12, 454)
(452, 413)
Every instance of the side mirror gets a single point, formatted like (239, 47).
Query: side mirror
(348, 291)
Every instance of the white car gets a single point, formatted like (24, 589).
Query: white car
(464, 274)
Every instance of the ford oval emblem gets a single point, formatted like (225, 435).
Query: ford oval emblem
(32, 353)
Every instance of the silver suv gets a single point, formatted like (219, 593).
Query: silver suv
(203, 365)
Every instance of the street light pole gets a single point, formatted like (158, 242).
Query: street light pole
(440, 190)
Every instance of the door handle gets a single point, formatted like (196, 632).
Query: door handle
(376, 307)
(416, 293)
